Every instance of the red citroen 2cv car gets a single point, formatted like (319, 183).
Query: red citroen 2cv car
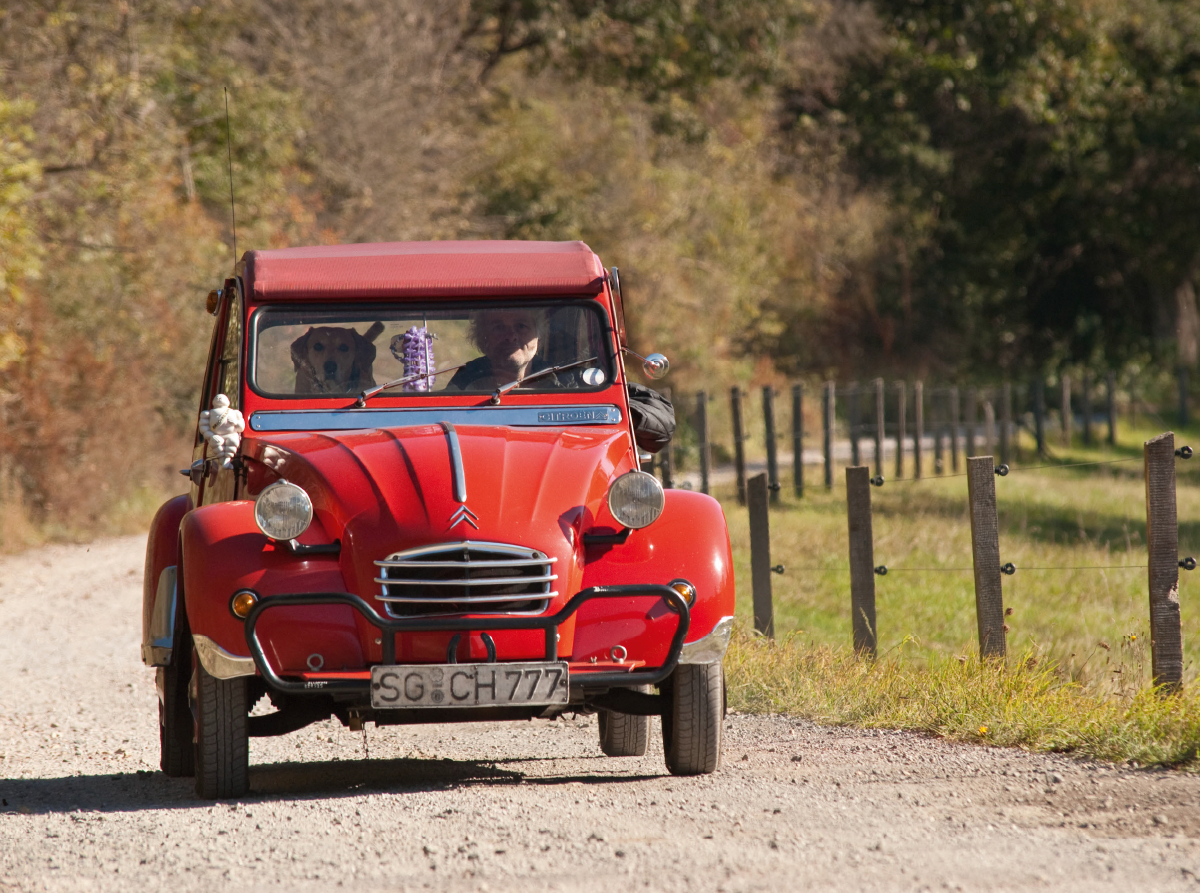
(416, 497)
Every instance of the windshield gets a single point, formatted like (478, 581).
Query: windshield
(342, 350)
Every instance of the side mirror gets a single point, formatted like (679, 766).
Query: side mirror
(656, 366)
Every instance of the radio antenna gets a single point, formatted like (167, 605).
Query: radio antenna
(229, 156)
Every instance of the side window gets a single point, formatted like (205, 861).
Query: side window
(228, 365)
(213, 379)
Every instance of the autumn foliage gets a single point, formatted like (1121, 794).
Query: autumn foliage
(790, 188)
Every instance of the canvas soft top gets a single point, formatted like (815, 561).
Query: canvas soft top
(418, 269)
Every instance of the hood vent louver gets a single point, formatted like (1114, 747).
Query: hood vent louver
(466, 578)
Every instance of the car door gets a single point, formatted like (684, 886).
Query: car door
(208, 484)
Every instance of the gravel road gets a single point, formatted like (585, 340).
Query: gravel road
(529, 806)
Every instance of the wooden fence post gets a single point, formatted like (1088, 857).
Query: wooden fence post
(1110, 406)
(901, 419)
(1183, 396)
(1065, 412)
(1006, 425)
(1162, 544)
(768, 401)
(989, 428)
(760, 554)
(1085, 399)
(702, 438)
(939, 432)
(1039, 416)
(852, 408)
(955, 421)
(739, 442)
(668, 457)
(971, 419)
(798, 440)
(1132, 402)
(828, 407)
(919, 424)
(985, 549)
(862, 559)
(879, 425)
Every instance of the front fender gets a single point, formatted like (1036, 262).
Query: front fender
(223, 552)
(690, 540)
(158, 582)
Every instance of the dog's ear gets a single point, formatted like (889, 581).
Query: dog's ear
(300, 350)
(305, 375)
(364, 350)
(364, 357)
(372, 333)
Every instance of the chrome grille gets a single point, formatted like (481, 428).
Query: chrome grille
(466, 577)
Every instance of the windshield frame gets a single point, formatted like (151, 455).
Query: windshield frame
(605, 357)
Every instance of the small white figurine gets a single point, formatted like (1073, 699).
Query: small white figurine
(222, 427)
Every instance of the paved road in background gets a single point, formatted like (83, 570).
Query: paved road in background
(521, 806)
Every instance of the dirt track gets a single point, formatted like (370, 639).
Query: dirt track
(530, 806)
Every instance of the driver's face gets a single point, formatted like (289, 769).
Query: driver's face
(509, 339)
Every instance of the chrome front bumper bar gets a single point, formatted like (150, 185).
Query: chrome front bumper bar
(709, 649)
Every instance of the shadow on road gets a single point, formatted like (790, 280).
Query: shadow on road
(145, 790)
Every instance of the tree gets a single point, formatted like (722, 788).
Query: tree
(1041, 159)
(19, 174)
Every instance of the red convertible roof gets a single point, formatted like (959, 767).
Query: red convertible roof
(415, 269)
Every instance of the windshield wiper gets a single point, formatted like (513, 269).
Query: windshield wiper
(371, 392)
(504, 389)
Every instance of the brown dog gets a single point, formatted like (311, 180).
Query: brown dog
(335, 360)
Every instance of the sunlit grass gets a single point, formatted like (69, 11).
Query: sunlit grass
(1073, 520)
(1077, 676)
(1027, 703)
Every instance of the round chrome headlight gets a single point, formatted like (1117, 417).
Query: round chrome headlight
(636, 499)
(283, 511)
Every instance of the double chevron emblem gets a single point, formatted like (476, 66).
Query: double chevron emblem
(462, 513)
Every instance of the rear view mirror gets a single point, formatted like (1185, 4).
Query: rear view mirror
(656, 366)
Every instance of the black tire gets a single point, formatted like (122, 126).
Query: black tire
(692, 728)
(176, 750)
(622, 735)
(222, 737)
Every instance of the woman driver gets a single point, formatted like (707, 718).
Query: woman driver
(508, 340)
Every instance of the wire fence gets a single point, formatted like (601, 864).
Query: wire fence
(958, 440)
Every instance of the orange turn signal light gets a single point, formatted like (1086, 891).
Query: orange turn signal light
(243, 603)
(686, 589)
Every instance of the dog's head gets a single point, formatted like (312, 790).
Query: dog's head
(334, 359)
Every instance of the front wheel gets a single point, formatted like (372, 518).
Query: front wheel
(176, 752)
(222, 736)
(623, 735)
(692, 726)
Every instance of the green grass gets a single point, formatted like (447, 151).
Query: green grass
(1089, 622)
(1077, 676)
(1026, 703)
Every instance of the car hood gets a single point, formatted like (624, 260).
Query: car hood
(382, 491)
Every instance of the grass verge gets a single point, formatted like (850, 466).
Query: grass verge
(1076, 534)
(1030, 703)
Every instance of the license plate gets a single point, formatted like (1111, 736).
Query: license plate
(469, 685)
